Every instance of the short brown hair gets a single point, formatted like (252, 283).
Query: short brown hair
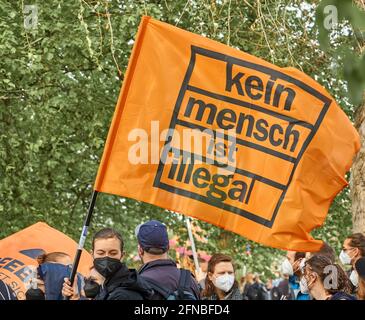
(51, 257)
(108, 233)
(299, 255)
(155, 251)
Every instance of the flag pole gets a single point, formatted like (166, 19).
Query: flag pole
(83, 238)
(195, 256)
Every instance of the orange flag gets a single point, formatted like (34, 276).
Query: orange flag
(21, 249)
(211, 132)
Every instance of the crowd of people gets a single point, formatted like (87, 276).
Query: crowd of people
(314, 275)
(303, 276)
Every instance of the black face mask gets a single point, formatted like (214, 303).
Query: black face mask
(34, 294)
(91, 288)
(107, 266)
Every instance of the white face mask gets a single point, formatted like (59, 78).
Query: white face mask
(224, 282)
(303, 286)
(345, 258)
(287, 268)
(354, 278)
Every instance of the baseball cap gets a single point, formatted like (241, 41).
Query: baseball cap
(152, 234)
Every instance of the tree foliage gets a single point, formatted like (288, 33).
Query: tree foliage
(336, 20)
(58, 88)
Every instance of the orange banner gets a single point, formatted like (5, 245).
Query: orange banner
(21, 249)
(225, 137)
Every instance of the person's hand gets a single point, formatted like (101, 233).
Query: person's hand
(68, 291)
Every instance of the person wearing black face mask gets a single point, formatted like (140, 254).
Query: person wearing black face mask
(34, 294)
(107, 266)
(93, 284)
(120, 283)
(91, 288)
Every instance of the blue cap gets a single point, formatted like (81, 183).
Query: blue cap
(152, 234)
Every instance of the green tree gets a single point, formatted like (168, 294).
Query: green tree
(58, 88)
(347, 18)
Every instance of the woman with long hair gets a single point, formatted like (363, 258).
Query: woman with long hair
(220, 283)
(325, 280)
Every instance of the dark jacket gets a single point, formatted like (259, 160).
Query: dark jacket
(342, 296)
(6, 293)
(285, 290)
(125, 284)
(165, 272)
(255, 291)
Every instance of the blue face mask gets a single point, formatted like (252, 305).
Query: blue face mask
(53, 275)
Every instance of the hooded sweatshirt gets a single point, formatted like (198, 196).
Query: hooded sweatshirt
(124, 284)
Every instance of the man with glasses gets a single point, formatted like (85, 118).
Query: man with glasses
(352, 250)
